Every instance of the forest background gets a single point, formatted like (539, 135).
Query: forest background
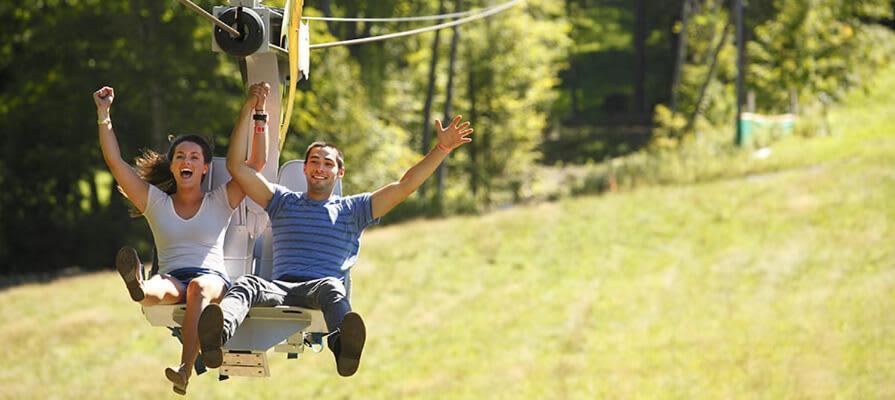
(567, 97)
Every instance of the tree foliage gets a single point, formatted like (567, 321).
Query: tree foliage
(156, 54)
(810, 47)
(545, 68)
(513, 63)
(57, 209)
(797, 53)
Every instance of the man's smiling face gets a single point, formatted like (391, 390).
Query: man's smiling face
(322, 170)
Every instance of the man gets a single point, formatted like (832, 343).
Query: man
(316, 240)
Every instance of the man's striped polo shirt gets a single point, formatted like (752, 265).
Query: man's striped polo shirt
(316, 239)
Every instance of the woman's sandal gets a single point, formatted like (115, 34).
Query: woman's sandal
(177, 379)
(131, 270)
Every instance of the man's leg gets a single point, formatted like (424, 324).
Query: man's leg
(348, 332)
(218, 323)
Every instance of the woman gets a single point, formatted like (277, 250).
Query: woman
(188, 225)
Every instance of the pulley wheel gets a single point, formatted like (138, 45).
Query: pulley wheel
(251, 32)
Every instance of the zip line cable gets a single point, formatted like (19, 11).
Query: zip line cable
(479, 15)
(293, 25)
(472, 15)
(394, 19)
(214, 20)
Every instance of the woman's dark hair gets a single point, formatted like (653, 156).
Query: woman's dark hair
(204, 143)
(155, 168)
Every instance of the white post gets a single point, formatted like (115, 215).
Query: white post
(262, 67)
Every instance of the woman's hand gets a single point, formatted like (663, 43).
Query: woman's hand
(104, 98)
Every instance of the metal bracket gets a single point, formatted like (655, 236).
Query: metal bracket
(251, 364)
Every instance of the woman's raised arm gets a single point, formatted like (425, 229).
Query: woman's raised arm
(135, 188)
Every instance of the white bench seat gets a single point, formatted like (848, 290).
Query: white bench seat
(308, 320)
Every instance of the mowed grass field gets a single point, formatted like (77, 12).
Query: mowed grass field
(774, 285)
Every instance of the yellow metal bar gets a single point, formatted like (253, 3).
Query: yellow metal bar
(294, 8)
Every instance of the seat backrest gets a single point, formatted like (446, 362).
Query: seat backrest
(217, 174)
(292, 176)
(238, 241)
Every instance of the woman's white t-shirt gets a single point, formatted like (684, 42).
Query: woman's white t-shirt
(191, 243)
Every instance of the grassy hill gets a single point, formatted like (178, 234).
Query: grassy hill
(778, 284)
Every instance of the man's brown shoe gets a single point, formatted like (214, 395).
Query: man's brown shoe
(352, 335)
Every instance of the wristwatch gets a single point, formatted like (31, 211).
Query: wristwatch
(260, 117)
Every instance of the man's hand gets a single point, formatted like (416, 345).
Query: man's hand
(104, 98)
(257, 98)
(389, 196)
(455, 135)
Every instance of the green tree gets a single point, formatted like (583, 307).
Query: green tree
(514, 61)
(806, 48)
(812, 47)
(57, 210)
(335, 106)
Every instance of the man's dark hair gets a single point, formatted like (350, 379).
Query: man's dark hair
(339, 158)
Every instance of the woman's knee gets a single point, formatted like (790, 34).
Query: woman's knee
(204, 286)
(163, 289)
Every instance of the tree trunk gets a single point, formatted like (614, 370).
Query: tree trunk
(488, 104)
(442, 169)
(640, 56)
(573, 85)
(681, 55)
(473, 116)
(94, 195)
(152, 71)
(351, 12)
(157, 113)
(486, 152)
(711, 76)
(426, 142)
(328, 12)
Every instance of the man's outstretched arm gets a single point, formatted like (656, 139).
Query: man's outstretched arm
(389, 196)
(253, 182)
